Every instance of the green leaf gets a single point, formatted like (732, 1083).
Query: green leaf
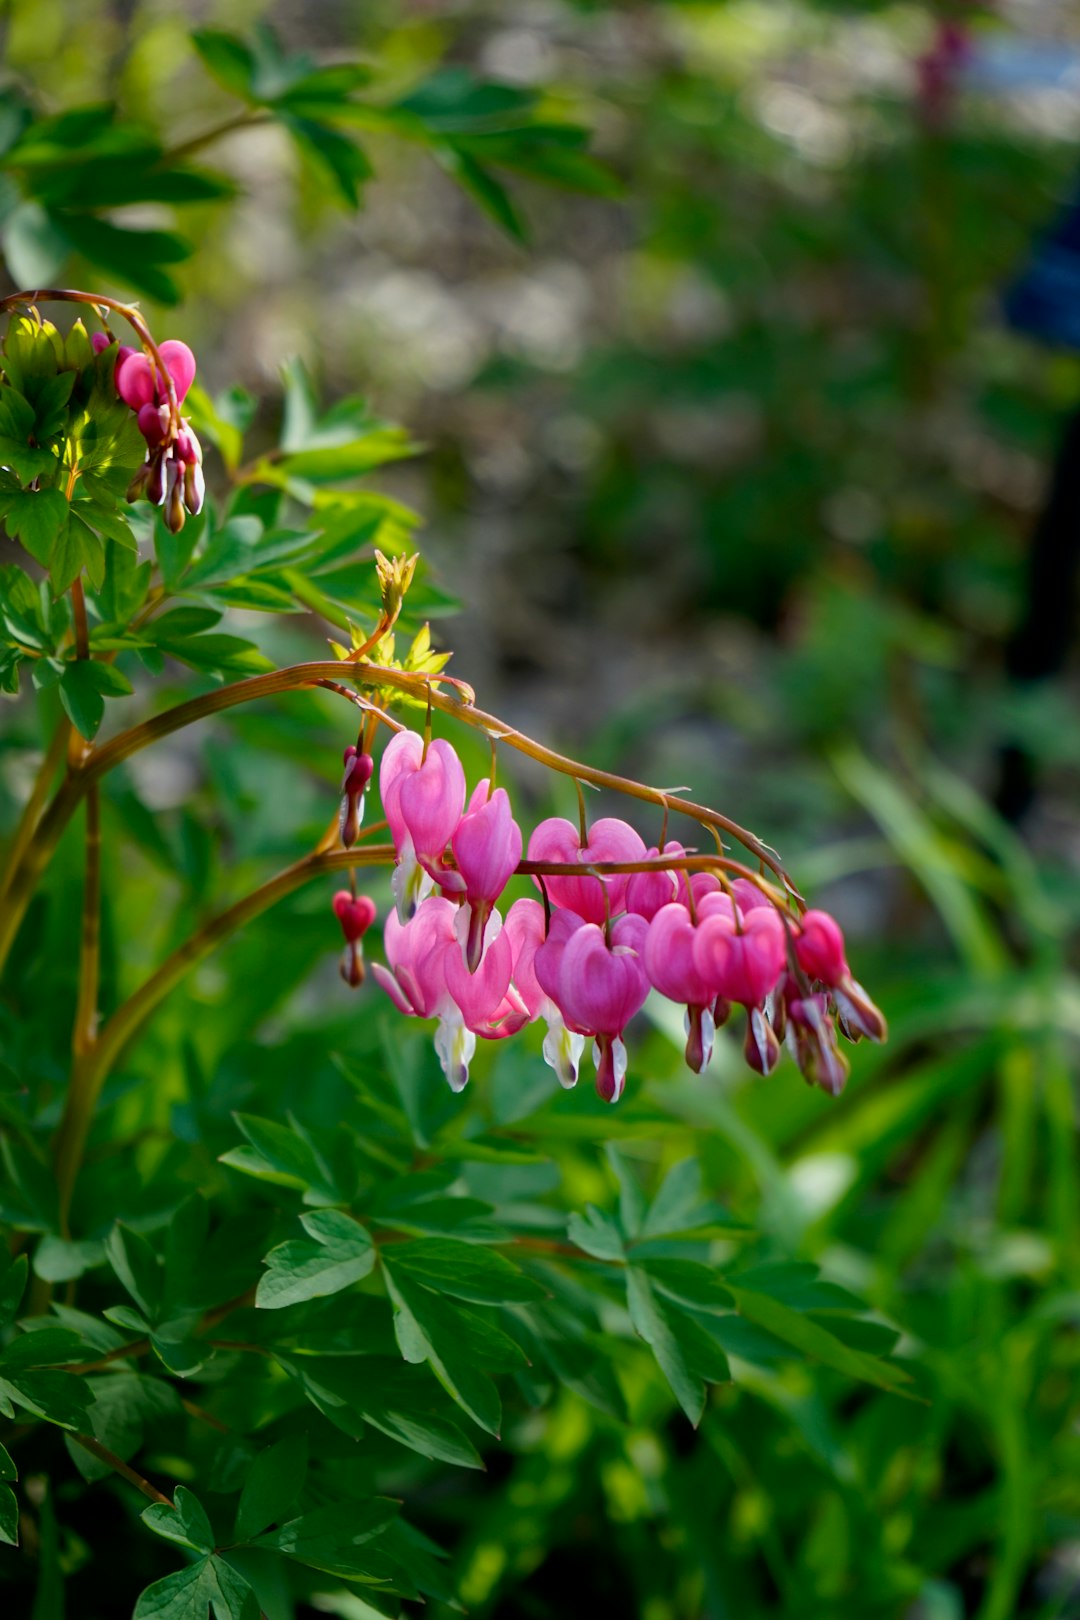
(329, 1538)
(83, 688)
(342, 1253)
(483, 187)
(9, 1516)
(427, 1329)
(465, 1271)
(597, 1234)
(13, 1275)
(689, 1282)
(7, 1467)
(228, 59)
(274, 1481)
(77, 547)
(281, 1155)
(104, 520)
(126, 1404)
(35, 518)
(45, 1346)
(185, 1522)
(811, 1339)
(136, 1265)
(135, 257)
(216, 653)
(686, 1355)
(210, 1585)
(335, 154)
(58, 1397)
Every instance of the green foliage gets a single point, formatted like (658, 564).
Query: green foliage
(732, 1349)
(68, 174)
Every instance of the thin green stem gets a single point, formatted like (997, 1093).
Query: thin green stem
(86, 1009)
(217, 132)
(92, 1068)
(50, 764)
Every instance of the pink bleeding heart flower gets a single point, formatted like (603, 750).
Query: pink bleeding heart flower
(487, 848)
(609, 839)
(602, 985)
(355, 913)
(489, 1006)
(743, 962)
(648, 892)
(415, 980)
(139, 383)
(358, 773)
(669, 963)
(547, 962)
(415, 976)
(422, 797)
(430, 803)
(743, 958)
(426, 978)
(525, 930)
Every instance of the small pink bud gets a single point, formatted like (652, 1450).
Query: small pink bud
(355, 913)
(358, 771)
(150, 425)
(819, 947)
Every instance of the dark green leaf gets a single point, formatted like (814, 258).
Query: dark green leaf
(465, 1271)
(274, 1481)
(9, 1516)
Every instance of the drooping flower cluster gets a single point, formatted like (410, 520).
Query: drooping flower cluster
(172, 474)
(585, 957)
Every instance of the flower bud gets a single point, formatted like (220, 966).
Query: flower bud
(174, 508)
(858, 1014)
(761, 1048)
(156, 477)
(819, 948)
(351, 967)
(194, 488)
(138, 484)
(355, 913)
(358, 770)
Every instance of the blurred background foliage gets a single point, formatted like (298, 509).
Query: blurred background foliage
(733, 465)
